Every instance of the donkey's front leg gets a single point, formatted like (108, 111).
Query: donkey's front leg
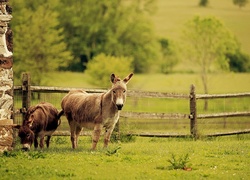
(47, 141)
(107, 135)
(96, 135)
(35, 142)
(41, 143)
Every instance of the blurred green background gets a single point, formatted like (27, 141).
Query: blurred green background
(57, 41)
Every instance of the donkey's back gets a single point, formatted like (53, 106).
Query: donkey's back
(81, 106)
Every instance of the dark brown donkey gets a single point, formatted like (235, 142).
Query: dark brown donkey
(40, 121)
(95, 110)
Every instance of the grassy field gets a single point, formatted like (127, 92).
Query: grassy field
(142, 158)
(172, 15)
(175, 83)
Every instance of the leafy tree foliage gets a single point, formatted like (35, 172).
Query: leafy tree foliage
(85, 28)
(240, 3)
(170, 57)
(208, 41)
(203, 3)
(39, 45)
(102, 66)
(117, 28)
(239, 62)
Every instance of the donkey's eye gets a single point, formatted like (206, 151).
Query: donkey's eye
(124, 91)
(114, 92)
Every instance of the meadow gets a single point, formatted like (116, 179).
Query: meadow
(152, 158)
(172, 15)
(145, 158)
(218, 83)
(139, 158)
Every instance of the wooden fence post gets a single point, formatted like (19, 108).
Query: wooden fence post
(26, 93)
(193, 113)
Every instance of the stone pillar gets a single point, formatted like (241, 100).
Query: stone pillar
(6, 77)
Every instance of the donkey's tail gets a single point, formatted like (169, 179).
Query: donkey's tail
(60, 114)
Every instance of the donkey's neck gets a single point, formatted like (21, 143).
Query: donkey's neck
(107, 102)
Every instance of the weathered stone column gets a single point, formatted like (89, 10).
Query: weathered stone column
(6, 78)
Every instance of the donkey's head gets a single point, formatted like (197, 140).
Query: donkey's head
(119, 90)
(27, 137)
(25, 133)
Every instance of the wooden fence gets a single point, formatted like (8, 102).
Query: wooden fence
(27, 88)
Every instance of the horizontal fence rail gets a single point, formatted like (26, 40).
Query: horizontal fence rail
(27, 88)
(219, 115)
(131, 93)
(216, 96)
(46, 89)
(144, 115)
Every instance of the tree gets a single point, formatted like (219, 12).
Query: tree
(240, 3)
(39, 46)
(117, 28)
(203, 3)
(170, 57)
(208, 41)
(239, 62)
(102, 66)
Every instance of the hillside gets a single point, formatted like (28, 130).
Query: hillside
(172, 15)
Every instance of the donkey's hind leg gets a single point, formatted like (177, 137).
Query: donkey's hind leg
(78, 130)
(73, 137)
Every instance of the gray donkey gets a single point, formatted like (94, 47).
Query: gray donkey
(95, 110)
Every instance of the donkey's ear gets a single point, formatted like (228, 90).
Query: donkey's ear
(112, 78)
(126, 79)
(31, 120)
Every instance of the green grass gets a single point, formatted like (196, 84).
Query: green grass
(172, 15)
(174, 83)
(144, 158)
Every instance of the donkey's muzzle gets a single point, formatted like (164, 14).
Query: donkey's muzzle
(25, 149)
(119, 106)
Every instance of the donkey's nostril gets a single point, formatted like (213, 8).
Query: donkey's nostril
(25, 149)
(119, 106)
